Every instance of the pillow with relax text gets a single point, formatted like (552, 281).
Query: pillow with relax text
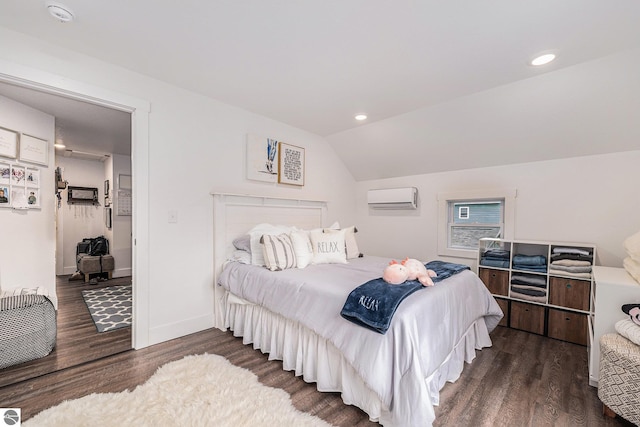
(349, 240)
(328, 248)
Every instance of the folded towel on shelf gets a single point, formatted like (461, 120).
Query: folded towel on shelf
(564, 250)
(569, 274)
(577, 257)
(577, 269)
(529, 290)
(537, 281)
(526, 297)
(571, 263)
(534, 268)
(493, 262)
(533, 260)
(497, 253)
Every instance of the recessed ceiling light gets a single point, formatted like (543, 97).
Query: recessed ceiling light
(361, 117)
(543, 59)
(59, 11)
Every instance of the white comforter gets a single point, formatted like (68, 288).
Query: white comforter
(397, 366)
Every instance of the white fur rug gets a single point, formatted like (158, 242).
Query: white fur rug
(202, 390)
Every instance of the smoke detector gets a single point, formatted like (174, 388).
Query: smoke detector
(59, 11)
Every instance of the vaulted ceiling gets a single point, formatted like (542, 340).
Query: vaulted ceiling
(445, 84)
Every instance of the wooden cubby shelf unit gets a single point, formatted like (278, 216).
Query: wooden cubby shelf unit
(542, 287)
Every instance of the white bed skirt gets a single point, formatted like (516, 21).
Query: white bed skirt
(318, 360)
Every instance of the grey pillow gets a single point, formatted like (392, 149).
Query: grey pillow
(243, 243)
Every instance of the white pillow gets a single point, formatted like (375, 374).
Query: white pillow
(278, 252)
(328, 248)
(349, 240)
(629, 330)
(632, 267)
(256, 233)
(632, 246)
(302, 248)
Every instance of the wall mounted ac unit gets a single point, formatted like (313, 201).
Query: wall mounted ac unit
(393, 198)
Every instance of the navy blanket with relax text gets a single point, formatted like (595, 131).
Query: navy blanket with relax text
(373, 304)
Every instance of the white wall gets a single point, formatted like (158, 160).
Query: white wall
(591, 199)
(78, 221)
(196, 145)
(28, 236)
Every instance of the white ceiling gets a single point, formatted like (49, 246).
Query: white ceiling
(315, 64)
(82, 127)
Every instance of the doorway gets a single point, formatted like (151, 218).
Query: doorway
(138, 120)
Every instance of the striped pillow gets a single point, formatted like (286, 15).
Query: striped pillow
(278, 252)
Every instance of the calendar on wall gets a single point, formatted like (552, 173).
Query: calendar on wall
(124, 203)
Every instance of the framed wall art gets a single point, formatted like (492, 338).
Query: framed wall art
(8, 143)
(291, 164)
(32, 177)
(19, 186)
(107, 217)
(262, 158)
(18, 175)
(5, 173)
(5, 196)
(33, 197)
(124, 182)
(34, 150)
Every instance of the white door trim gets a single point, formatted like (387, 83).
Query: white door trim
(43, 81)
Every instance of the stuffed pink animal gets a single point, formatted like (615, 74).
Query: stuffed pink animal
(395, 273)
(417, 271)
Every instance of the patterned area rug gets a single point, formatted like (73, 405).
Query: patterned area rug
(110, 307)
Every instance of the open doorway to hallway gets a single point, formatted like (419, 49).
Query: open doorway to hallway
(98, 150)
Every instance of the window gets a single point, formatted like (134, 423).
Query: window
(463, 212)
(466, 217)
(475, 220)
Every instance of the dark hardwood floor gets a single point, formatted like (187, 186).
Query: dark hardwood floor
(523, 380)
(78, 341)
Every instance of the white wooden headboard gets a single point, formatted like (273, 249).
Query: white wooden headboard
(235, 214)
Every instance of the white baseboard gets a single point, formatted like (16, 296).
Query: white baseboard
(179, 329)
(122, 272)
(69, 270)
(118, 272)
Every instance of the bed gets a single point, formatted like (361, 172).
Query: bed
(294, 316)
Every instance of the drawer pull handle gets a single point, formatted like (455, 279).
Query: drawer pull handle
(493, 275)
(568, 285)
(567, 318)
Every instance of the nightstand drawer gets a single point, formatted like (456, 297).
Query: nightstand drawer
(497, 281)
